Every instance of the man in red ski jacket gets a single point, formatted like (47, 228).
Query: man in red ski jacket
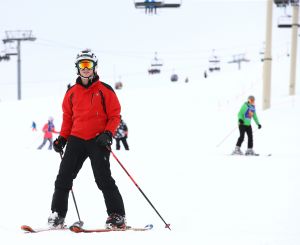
(91, 114)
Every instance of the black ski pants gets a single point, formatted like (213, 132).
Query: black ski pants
(77, 151)
(124, 142)
(248, 130)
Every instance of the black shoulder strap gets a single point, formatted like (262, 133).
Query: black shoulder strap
(103, 101)
(102, 95)
(108, 86)
(69, 87)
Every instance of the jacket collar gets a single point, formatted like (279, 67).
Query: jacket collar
(91, 81)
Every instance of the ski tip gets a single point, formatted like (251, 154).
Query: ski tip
(75, 228)
(27, 228)
(149, 226)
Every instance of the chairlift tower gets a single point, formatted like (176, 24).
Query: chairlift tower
(18, 37)
(294, 25)
(239, 58)
(267, 66)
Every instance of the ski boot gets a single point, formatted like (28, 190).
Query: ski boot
(250, 152)
(56, 222)
(237, 151)
(115, 221)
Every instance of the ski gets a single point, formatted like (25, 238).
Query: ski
(255, 155)
(78, 229)
(29, 229)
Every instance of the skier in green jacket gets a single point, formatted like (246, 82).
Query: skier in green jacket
(245, 115)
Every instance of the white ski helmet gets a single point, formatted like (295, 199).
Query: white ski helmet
(86, 54)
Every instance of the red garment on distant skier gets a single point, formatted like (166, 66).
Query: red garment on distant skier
(90, 110)
(48, 134)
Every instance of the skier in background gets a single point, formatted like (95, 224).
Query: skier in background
(245, 115)
(91, 114)
(121, 135)
(33, 126)
(48, 130)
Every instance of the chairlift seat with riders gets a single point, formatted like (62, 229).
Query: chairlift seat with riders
(174, 77)
(153, 71)
(156, 65)
(151, 6)
(214, 64)
(118, 85)
(155, 4)
(281, 3)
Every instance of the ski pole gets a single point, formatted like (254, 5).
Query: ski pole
(226, 137)
(167, 225)
(79, 222)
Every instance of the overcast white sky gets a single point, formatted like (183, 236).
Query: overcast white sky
(125, 39)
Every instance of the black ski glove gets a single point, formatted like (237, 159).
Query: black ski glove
(104, 139)
(59, 144)
(259, 126)
(241, 122)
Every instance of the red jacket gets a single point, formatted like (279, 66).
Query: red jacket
(47, 133)
(90, 110)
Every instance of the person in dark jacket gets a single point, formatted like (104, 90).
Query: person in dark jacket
(121, 135)
(246, 113)
(91, 114)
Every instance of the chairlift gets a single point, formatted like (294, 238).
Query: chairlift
(156, 62)
(284, 21)
(151, 6)
(118, 85)
(262, 53)
(239, 58)
(5, 57)
(156, 65)
(153, 71)
(294, 2)
(214, 63)
(281, 3)
(174, 78)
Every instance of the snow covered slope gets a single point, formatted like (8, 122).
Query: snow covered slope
(206, 195)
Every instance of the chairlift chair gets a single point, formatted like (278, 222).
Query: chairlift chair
(284, 21)
(174, 78)
(214, 64)
(156, 62)
(155, 66)
(118, 85)
(281, 3)
(294, 2)
(150, 6)
(153, 71)
(4, 57)
(155, 4)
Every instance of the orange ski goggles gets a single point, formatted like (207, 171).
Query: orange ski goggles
(86, 64)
